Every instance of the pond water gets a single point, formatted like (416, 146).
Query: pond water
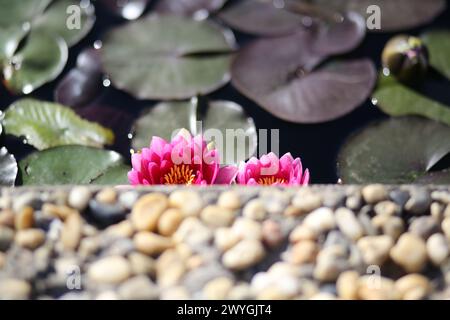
(317, 144)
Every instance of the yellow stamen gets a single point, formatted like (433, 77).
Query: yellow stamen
(267, 181)
(179, 174)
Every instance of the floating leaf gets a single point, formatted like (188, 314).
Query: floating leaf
(396, 15)
(438, 45)
(73, 165)
(396, 99)
(167, 57)
(216, 117)
(8, 168)
(396, 151)
(286, 84)
(45, 125)
(9, 42)
(17, 12)
(41, 60)
(130, 9)
(189, 8)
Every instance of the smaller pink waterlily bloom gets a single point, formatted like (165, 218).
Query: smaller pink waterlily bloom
(186, 160)
(269, 170)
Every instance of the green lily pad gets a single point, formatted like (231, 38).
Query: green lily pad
(165, 119)
(73, 165)
(396, 99)
(41, 60)
(45, 125)
(18, 12)
(168, 57)
(8, 168)
(396, 151)
(438, 44)
(189, 8)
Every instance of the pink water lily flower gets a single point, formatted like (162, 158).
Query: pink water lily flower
(269, 170)
(185, 160)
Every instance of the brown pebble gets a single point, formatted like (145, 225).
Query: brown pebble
(30, 238)
(2, 260)
(169, 221)
(122, 229)
(347, 285)
(24, 219)
(147, 210)
(413, 287)
(7, 218)
(304, 252)
(229, 200)
(107, 196)
(72, 231)
(151, 243)
(61, 212)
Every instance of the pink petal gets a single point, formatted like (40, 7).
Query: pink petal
(226, 175)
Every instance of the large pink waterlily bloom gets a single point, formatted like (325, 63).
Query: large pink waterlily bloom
(270, 170)
(185, 160)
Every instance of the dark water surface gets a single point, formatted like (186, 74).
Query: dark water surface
(317, 145)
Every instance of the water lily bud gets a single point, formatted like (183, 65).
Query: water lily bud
(405, 57)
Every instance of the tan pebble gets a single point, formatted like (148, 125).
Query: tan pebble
(304, 252)
(72, 232)
(437, 210)
(170, 269)
(229, 200)
(110, 270)
(375, 249)
(169, 221)
(272, 234)
(306, 202)
(147, 210)
(349, 224)
(394, 227)
(24, 219)
(14, 289)
(302, 232)
(255, 210)
(292, 211)
(79, 198)
(245, 254)
(375, 287)
(447, 211)
(107, 196)
(410, 253)
(242, 291)
(175, 293)
(2, 260)
(7, 218)
(347, 285)
(141, 264)
(88, 247)
(217, 289)
(193, 232)
(216, 217)
(330, 263)
(437, 248)
(189, 202)
(122, 229)
(320, 220)
(247, 229)
(387, 208)
(446, 227)
(30, 238)
(225, 238)
(61, 212)
(151, 243)
(413, 287)
(374, 193)
(194, 262)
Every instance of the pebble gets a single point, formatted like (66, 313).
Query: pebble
(107, 196)
(400, 197)
(394, 227)
(424, 226)
(437, 210)
(170, 269)
(128, 198)
(247, 229)
(331, 261)
(304, 252)
(24, 219)
(30, 238)
(255, 210)
(216, 217)
(354, 202)
(106, 214)
(272, 235)
(7, 218)
(302, 232)
(441, 196)
(347, 285)
(151, 243)
(110, 270)
(141, 264)
(122, 229)
(348, 223)
(6, 238)
(387, 208)
(306, 202)
(175, 293)
(72, 232)
(241, 291)
(169, 221)
(375, 287)
(2, 260)
(138, 288)
(244, 255)
(413, 287)
(59, 211)
(419, 203)
(446, 227)
(374, 193)
(375, 249)
(14, 289)
(88, 247)
(225, 239)
(229, 200)
(79, 198)
(437, 248)
(147, 210)
(193, 232)
(320, 220)
(217, 289)
(334, 199)
(410, 252)
(189, 202)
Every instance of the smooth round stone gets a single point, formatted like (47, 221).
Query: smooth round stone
(304, 252)
(107, 295)
(354, 202)
(272, 235)
(225, 238)
(217, 289)
(445, 225)
(72, 232)
(59, 211)
(306, 202)
(2, 260)
(128, 198)
(320, 220)
(30, 238)
(347, 285)
(14, 289)
(138, 288)
(441, 196)
(171, 274)
(89, 247)
(175, 293)
(400, 197)
(255, 210)
(24, 219)
(110, 270)
(420, 201)
(374, 193)
(331, 261)
(106, 214)
(216, 217)
(242, 291)
(413, 287)
(229, 200)
(122, 229)
(151, 243)
(394, 227)
(437, 210)
(375, 287)
(247, 229)
(7, 218)
(410, 252)
(107, 196)
(169, 221)
(193, 232)
(334, 199)
(437, 248)
(147, 210)
(424, 226)
(6, 238)
(387, 208)
(141, 264)
(79, 198)
(349, 224)
(375, 249)
(189, 202)
(301, 233)
(244, 255)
